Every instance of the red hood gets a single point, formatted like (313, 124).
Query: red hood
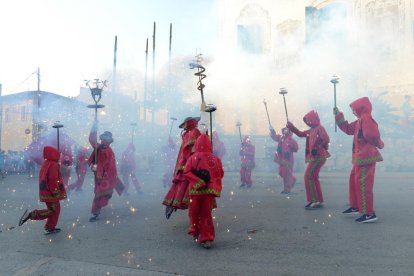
(362, 106)
(50, 153)
(203, 144)
(312, 119)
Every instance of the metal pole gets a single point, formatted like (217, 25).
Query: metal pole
(335, 104)
(153, 82)
(146, 82)
(239, 124)
(38, 79)
(114, 66)
(334, 81)
(267, 112)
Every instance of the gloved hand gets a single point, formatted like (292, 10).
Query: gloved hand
(336, 111)
(289, 125)
(272, 132)
(94, 167)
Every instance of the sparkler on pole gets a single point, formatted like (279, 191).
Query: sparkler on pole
(96, 93)
(335, 81)
(210, 108)
(57, 125)
(200, 87)
(267, 112)
(239, 125)
(283, 92)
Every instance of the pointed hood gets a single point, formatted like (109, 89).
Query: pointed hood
(51, 154)
(203, 144)
(362, 106)
(312, 119)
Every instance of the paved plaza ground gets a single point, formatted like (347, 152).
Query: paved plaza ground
(258, 232)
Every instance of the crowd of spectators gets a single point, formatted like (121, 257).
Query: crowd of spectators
(16, 162)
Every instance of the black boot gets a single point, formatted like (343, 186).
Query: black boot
(25, 217)
(168, 211)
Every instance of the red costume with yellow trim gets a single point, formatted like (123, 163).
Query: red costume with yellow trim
(247, 162)
(286, 146)
(177, 197)
(51, 189)
(365, 154)
(204, 171)
(316, 153)
(106, 175)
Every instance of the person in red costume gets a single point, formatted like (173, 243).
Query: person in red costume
(247, 162)
(80, 169)
(204, 171)
(316, 153)
(284, 157)
(128, 168)
(365, 155)
(178, 197)
(219, 149)
(51, 191)
(168, 155)
(104, 168)
(66, 161)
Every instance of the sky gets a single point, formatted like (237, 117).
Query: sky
(73, 40)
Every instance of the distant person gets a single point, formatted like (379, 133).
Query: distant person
(316, 153)
(66, 162)
(177, 196)
(80, 169)
(286, 146)
(169, 157)
(128, 168)
(247, 162)
(2, 164)
(365, 155)
(104, 167)
(29, 165)
(204, 172)
(219, 149)
(51, 191)
(407, 111)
